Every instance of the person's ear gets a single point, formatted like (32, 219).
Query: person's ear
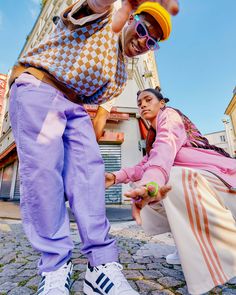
(163, 104)
(131, 19)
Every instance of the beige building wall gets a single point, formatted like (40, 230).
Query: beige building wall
(230, 125)
(219, 139)
(233, 117)
(230, 135)
(224, 139)
(231, 110)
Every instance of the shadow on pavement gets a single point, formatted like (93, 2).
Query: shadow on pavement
(115, 213)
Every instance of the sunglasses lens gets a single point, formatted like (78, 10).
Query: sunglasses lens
(141, 30)
(152, 44)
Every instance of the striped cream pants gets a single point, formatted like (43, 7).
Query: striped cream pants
(201, 214)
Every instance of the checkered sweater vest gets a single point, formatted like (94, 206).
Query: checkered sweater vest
(87, 59)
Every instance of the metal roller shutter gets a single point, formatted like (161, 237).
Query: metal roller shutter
(111, 155)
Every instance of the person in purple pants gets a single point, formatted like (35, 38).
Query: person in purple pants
(83, 61)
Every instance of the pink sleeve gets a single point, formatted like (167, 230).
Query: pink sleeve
(100, 6)
(170, 137)
(131, 174)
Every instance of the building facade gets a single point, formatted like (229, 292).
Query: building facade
(226, 138)
(220, 139)
(120, 145)
(230, 125)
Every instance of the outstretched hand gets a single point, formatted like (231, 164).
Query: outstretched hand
(128, 6)
(136, 214)
(141, 195)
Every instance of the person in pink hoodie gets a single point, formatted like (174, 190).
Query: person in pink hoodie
(186, 186)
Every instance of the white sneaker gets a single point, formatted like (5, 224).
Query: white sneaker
(107, 279)
(56, 282)
(173, 258)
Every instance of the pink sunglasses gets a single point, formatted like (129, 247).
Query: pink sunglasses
(142, 32)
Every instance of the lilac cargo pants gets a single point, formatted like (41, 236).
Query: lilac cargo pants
(59, 159)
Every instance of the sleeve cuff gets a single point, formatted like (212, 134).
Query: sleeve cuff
(153, 174)
(121, 176)
(109, 104)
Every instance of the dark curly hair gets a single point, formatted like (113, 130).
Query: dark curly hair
(156, 92)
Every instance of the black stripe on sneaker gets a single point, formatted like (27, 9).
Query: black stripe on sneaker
(91, 286)
(67, 286)
(42, 280)
(102, 275)
(41, 284)
(68, 281)
(90, 267)
(40, 291)
(69, 261)
(104, 283)
(109, 288)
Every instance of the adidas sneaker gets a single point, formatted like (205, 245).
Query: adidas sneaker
(173, 258)
(107, 279)
(56, 282)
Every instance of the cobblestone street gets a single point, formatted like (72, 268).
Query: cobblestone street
(142, 258)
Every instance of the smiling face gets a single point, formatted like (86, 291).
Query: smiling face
(135, 45)
(149, 106)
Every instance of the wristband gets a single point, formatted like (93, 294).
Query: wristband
(152, 183)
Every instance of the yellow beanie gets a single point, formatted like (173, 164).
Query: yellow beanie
(160, 14)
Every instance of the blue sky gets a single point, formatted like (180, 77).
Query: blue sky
(17, 18)
(197, 65)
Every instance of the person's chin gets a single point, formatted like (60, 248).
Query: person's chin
(129, 53)
(146, 116)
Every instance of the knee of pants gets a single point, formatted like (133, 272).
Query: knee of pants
(154, 220)
(176, 175)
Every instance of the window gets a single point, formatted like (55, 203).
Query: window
(222, 138)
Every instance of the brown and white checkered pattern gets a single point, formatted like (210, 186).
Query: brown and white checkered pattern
(86, 58)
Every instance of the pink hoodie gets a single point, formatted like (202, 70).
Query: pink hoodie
(172, 148)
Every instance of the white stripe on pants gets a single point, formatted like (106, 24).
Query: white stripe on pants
(201, 213)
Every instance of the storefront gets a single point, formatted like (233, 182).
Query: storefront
(10, 178)
(115, 150)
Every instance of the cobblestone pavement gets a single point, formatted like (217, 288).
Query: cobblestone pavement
(141, 256)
